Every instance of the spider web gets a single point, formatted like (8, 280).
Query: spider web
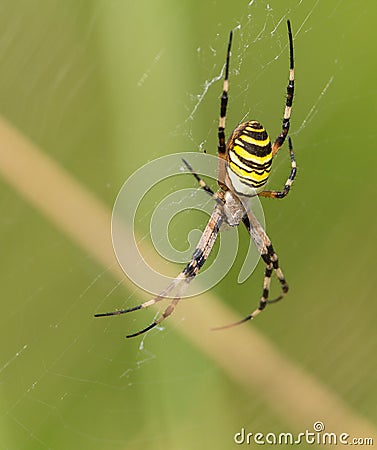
(84, 85)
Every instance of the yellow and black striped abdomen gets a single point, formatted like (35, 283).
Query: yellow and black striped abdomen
(249, 158)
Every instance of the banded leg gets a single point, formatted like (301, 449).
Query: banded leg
(272, 265)
(224, 102)
(289, 99)
(203, 184)
(182, 281)
(271, 258)
(163, 316)
(164, 294)
(268, 255)
(288, 183)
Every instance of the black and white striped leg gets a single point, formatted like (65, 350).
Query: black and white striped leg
(163, 316)
(271, 259)
(289, 98)
(224, 102)
(203, 184)
(288, 184)
(182, 281)
(272, 265)
(164, 294)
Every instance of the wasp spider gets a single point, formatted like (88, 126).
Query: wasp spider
(244, 167)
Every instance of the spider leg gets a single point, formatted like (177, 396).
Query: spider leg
(271, 260)
(204, 185)
(264, 245)
(182, 281)
(288, 184)
(146, 304)
(199, 257)
(163, 316)
(289, 99)
(224, 101)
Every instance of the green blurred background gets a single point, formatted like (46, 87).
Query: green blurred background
(103, 87)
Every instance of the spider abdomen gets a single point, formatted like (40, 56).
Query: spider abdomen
(249, 158)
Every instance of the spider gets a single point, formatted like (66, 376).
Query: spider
(244, 167)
